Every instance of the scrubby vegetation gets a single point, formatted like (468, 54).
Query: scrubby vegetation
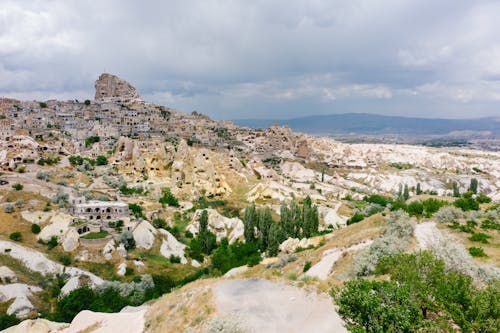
(421, 295)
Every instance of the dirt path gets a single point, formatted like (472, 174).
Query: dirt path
(266, 307)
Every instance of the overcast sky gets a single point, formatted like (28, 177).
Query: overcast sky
(261, 58)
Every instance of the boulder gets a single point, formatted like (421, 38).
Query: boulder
(70, 285)
(289, 245)
(329, 216)
(144, 235)
(108, 249)
(221, 226)
(58, 226)
(71, 240)
(236, 271)
(122, 269)
(122, 251)
(171, 246)
(7, 275)
(21, 307)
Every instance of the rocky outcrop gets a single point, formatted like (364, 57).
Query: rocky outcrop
(58, 226)
(110, 88)
(7, 275)
(221, 226)
(172, 247)
(144, 235)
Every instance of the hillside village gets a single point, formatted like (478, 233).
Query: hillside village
(116, 191)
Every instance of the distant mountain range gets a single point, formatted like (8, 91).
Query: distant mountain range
(364, 123)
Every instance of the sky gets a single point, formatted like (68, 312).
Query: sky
(261, 58)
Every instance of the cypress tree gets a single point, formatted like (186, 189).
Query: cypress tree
(456, 191)
(473, 185)
(249, 223)
(406, 193)
(419, 189)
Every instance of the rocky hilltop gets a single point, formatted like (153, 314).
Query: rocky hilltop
(109, 204)
(110, 88)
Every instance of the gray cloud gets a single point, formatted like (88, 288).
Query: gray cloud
(282, 58)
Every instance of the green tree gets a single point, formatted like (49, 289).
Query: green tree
(456, 190)
(35, 228)
(473, 185)
(418, 191)
(101, 160)
(16, 236)
(406, 193)
(249, 223)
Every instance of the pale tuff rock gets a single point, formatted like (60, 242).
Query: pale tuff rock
(171, 246)
(36, 217)
(144, 235)
(195, 263)
(110, 88)
(71, 240)
(21, 305)
(297, 172)
(221, 226)
(122, 251)
(58, 226)
(329, 216)
(36, 326)
(7, 275)
(236, 271)
(271, 190)
(108, 249)
(122, 269)
(292, 244)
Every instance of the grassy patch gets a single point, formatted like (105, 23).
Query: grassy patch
(96, 235)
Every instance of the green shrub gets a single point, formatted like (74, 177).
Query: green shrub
(168, 198)
(65, 259)
(480, 237)
(377, 199)
(17, 187)
(8, 320)
(307, 266)
(91, 140)
(137, 210)
(16, 236)
(101, 160)
(52, 243)
(43, 105)
(357, 217)
(175, 259)
(87, 102)
(477, 252)
(35, 228)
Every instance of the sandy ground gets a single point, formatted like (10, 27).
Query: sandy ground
(325, 266)
(266, 307)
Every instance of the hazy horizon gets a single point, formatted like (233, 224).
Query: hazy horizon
(261, 59)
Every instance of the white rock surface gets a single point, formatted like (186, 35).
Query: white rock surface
(122, 251)
(57, 226)
(122, 269)
(236, 271)
(7, 275)
(221, 226)
(171, 246)
(144, 235)
(36, 217)
(195, 263)
(36, 326)
(38, 262)
(71, 240)
(108, 249)
(329, 216)
(20, 292)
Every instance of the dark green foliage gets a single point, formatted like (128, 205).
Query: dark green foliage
(43, 105)
(372, 306)
(237, 254)
(377, 199)
(87, 102)
(473, 185)
(49, 161)
(91, 140)
(128, 241)
(168, 198)
(174, 259)
(194, 250)
(477, 252)
(137, 210)
(206, 237)
(418, 190)
(101, 160)
(357, 217)
(52, 243)
(398, 204)
(415, 208)
(432, 205)
(65, 259)
(307, 266)
(35, 228)
(17, 187)
(483, 198)
(8, 320)
(406, 193)
(420, 296)
(456, 191)
(467, 202)
(16, 236)
(489, 224)
(159, 223)
(125, 190)
(480, 237)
